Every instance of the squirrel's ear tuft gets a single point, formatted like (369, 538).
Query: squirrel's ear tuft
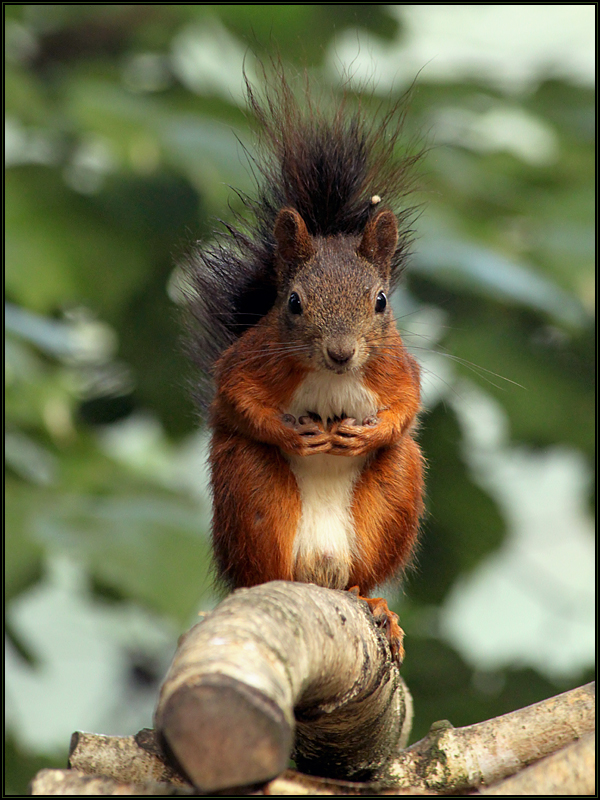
(380, 238)
(293, 240)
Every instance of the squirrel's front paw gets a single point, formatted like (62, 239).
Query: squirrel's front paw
(312, 436)
(351, 439)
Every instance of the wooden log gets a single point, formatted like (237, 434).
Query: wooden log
(279, 663)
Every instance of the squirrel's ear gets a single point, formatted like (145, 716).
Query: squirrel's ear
(293, 240)
(380, 239)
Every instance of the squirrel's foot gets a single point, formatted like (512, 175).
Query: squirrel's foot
(387, 620)
(313, 438)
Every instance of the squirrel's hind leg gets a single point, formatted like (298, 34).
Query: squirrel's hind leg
(256, 507)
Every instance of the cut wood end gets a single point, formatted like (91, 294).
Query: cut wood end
(225, 734)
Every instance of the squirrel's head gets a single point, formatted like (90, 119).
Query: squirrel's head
(332, 292)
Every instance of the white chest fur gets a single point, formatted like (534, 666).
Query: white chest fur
(331, 395)
(325, 539)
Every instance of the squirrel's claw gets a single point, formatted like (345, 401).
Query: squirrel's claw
(387, 621)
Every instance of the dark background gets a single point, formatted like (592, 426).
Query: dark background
(121, 148)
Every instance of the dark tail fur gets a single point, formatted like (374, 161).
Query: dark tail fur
(326, 166)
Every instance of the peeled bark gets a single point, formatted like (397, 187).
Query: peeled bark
(279, 663)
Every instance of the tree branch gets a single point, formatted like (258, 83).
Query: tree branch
(455, 759)
(50, 782)
(130, 759)
(106, 765)
(570, 771)
(276, 660)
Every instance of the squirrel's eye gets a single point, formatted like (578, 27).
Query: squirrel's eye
(294, 303)
(381, 302)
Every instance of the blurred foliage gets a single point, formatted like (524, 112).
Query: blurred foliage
(445, 687)
(453, 541)
(20, 767)
(120, 147)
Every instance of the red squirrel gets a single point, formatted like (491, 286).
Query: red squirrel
(316, 475)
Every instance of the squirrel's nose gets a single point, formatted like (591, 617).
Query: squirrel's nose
(341, 354)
